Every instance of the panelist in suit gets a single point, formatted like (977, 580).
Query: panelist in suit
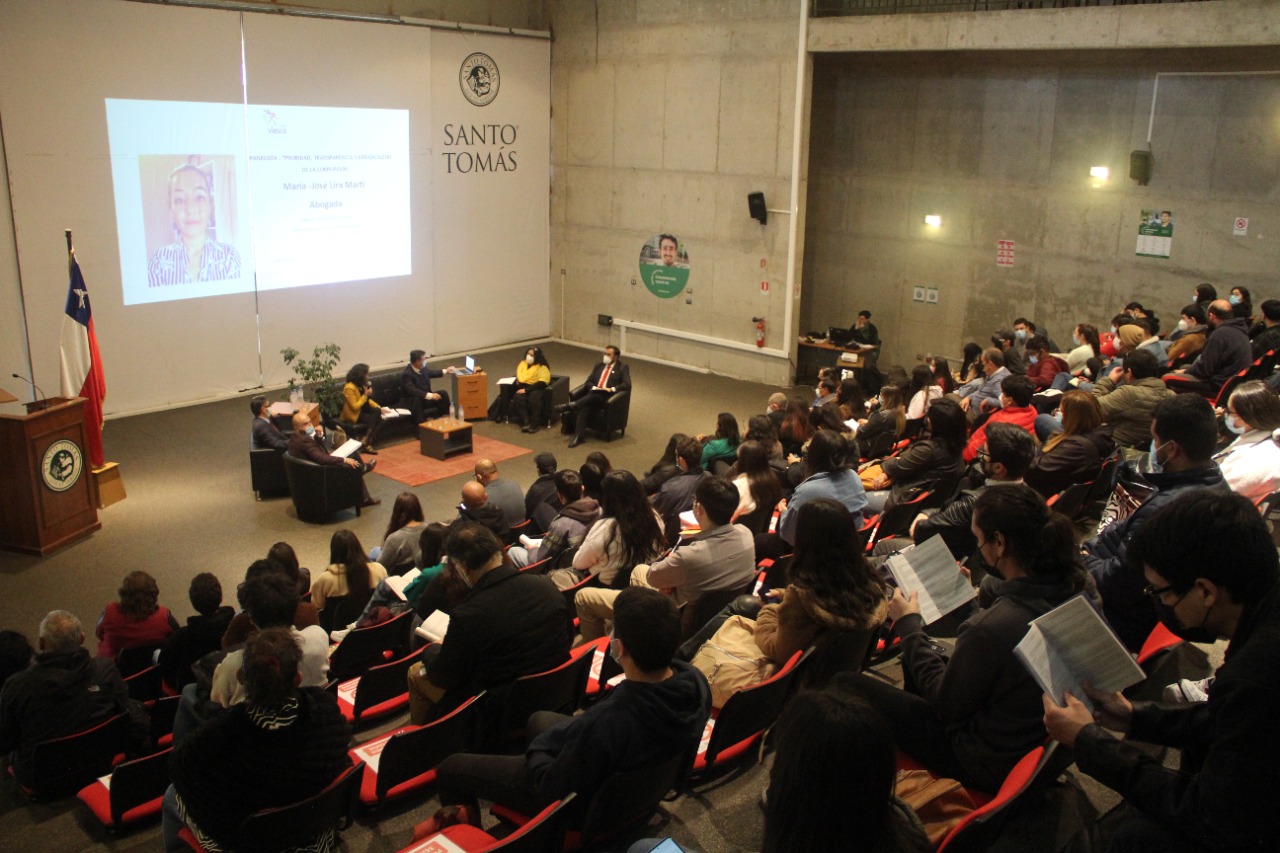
(607, 378)
(305, 443)
(415, 388)
(265, 435)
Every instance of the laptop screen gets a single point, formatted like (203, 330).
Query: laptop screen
(471, 364)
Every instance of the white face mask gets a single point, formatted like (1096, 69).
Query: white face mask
(1183, 325)
(1114, 331)
(528, 359)
(608, 359)
(613, 650)
(1234, 424)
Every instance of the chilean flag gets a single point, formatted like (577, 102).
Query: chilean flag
(81, 363)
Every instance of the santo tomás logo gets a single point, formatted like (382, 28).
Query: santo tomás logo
(273, 122)
(479, 79)
(62, 465)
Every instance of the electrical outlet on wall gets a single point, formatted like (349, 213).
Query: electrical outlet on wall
(931, 296)
(917, 294)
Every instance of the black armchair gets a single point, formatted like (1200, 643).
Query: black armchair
(612, 418)
(266, 472)
(320, 491)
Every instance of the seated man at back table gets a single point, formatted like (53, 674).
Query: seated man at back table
(265, 435)
(305, 443)
(607, 378)
(415, 388)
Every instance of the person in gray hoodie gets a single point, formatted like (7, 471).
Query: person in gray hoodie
(566, 531)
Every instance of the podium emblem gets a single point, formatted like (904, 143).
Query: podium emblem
(62, 465)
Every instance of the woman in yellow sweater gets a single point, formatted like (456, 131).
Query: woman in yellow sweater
(522, 400)
(361, 414)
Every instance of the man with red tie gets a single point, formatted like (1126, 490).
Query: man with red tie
(607, 378)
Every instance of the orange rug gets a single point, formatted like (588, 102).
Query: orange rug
(405, 463)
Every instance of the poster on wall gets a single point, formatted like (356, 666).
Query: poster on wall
(664, 265)
(1155, 233)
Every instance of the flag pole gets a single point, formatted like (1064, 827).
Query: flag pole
(71, 253)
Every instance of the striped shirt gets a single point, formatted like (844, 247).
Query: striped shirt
(218, 262)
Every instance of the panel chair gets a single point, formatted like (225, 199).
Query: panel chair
(69, 763)
(132, 794)
(380, 691)
(544, 832)
(403, 761)
(363, 647)
(299, 824)
(741, 724)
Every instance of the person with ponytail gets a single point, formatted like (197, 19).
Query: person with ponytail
(972, 714)
(350, 572)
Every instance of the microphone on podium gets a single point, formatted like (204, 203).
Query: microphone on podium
(43, 402)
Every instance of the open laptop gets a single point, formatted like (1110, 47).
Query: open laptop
(470, 367)
(838, 335)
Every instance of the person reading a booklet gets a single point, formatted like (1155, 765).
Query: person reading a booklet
(1208, 562)
(972, 714)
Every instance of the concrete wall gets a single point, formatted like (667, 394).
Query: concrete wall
(666, 114)
(1000, 145)
(518, 14)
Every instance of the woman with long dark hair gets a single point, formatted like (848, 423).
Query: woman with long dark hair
(757, 484)
(973, 714)
(795, 429)
(937, 463)
(816, 801)
(628, 533)
(523, 398)
(1251, 463)
(878, 432)
(361, 414)
(665, 468)
(1087, 345)
(942, 376)
(851, 399)
(349, 573)
(400, 541)
(722, 445)
(1076, 454)
(922, 391)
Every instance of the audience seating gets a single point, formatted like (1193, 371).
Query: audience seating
(321, 491)
(363, 647)
(69, 763)
(589, 580)
(404, 760)
(835, 652)
(298, 824)
(266, 473)
(131, 794)
(378, 692)
(978, 826)
(543, 833)
(135, 660)
(341, 610)
(896, 519)
(1070, 501)
(624, 799)
(163, 712)
(742, 722)
(538, 568)
(146, 685)
(561, 689)
(606, 421)
(775, 572)
(698, 613)
(1262, 367)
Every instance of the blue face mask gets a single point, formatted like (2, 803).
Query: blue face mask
(1075, 339)
(1033, 359)
(613, 650)
(311, 432)
(1233, 299)
(1154, 465)
(1057, 416)
(1022, 334)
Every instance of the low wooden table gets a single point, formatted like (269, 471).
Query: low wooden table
(443, 437)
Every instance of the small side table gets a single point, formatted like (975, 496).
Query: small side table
(444, 437)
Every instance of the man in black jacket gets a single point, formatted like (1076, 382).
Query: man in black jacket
(1209, 563)
(265, 435)
(64, 692)
(1226, 352)
(415, 388)
(607, 378)
(512, 624)
(659, 711)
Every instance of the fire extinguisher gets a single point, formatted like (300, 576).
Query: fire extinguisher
(759, 321)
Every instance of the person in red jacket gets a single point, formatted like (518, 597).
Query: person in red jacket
(1042, 365)
(136, 620)
(1015, 408)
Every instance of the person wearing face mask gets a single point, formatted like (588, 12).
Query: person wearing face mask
(1189, 338)
(1251, 463)
(305, 443)
(1241, 303)
(606, 379)
(1128, 396)
(1184, 431)
(1207, 559)
(523, 397)
(1015, 408)
(1226, 353)
(972, 714)
(657, 712)
(1076, 454)
(512, 624)
(1043, 367)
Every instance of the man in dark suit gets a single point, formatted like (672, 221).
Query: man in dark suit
(305, 443)
(607, 378)
(265, 434)
(415, 388)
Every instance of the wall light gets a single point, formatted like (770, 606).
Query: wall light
(1099, 172)
(933, 220)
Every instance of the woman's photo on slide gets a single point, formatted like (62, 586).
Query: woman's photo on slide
(189, 212)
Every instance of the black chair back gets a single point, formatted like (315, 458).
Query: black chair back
(135, 660)
(752, 710)
(341, 610)
(382, 683)
(696, 614)
(560, 690)
(136, 782)
(631, 796)
(146, 685)
(296, 825)
(364, 647)
(416, 751)
(69, 763)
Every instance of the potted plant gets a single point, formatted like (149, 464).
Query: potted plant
(317, 372)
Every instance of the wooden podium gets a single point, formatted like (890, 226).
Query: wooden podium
(47, 492)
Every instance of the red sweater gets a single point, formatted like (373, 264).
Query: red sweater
(1043, 371)
(1021, 416)
(117, 632)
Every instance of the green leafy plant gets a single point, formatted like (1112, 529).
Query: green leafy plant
(317, 372)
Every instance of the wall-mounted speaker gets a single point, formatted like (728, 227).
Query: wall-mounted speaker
(1140, 163)
(755, 206)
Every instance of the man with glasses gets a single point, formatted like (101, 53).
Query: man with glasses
(1183, 434)
(1209, 564)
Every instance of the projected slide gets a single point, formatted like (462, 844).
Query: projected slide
(211, 197)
